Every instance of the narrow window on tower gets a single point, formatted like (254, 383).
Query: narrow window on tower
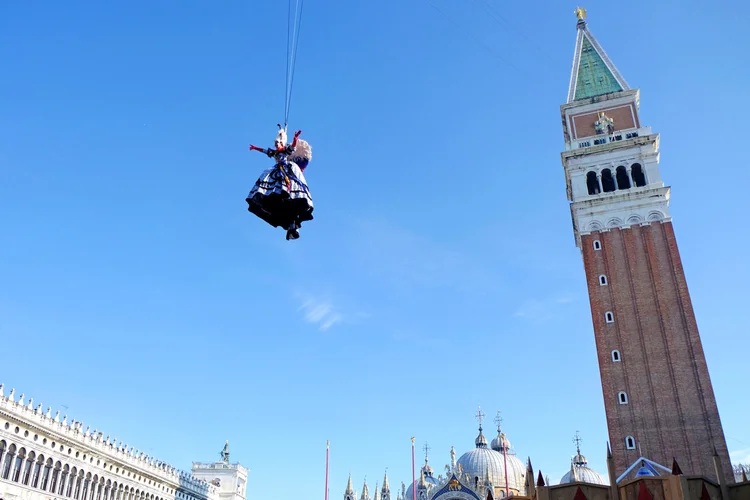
(616, 356)
(622, 398)
(609, 317)
(597, 245)
(630, 443)
(639, 178)
(602, 280)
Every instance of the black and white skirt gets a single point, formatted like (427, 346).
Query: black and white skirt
(280, 196)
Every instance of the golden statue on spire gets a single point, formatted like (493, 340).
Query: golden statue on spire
(580, 13)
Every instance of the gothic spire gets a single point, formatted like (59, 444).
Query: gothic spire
(385, 491)
(365, 492)
(593, 72)
(540, 479)
(349, 494)
(676, 471)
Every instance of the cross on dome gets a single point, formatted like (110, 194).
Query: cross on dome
(577, 440)
(498, 420)
(480, 416)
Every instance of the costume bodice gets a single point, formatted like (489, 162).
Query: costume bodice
(281, 155)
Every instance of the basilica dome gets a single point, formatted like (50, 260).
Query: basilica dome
(482, 462)
(429, 479)
(581, 473)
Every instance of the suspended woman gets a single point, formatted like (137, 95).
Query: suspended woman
(281, 196)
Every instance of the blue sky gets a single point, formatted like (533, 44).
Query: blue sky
(440, 271)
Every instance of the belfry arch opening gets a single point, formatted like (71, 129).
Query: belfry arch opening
(608, 182)
(639, 178)
(623, 182)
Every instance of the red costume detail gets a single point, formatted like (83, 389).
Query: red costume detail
(278, 148)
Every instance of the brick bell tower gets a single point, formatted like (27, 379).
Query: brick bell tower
(657, 391)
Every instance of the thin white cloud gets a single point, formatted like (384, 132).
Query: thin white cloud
(320, 312)
(323, 312)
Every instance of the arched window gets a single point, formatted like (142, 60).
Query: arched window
(592, 183)
(639, 178)
(72, 482)
(18, 465)
(622, 178)
(55, 477)
(602, 280)
(622, 398)
(9, 458)
(609, 317)
(29, 466)
(616, 356)
(77, 485)
(94, 486)
(85, 490)
(630, 443)
(37, 471)
(608, 182)
(63, 480)
(46, 474)
(597, 245)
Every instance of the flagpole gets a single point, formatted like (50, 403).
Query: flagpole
(328, 444)
(413, 478)
(505, 463)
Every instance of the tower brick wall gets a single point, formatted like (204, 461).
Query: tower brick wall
(671, 409)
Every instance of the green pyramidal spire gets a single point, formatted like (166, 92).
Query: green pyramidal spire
(593, 72)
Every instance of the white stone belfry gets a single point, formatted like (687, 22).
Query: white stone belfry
(229, 479)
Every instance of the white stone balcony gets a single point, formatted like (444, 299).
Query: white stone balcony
(599, 140)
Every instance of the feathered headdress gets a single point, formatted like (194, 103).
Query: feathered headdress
(281, 135)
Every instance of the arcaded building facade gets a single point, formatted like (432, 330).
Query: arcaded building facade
(45, 456)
